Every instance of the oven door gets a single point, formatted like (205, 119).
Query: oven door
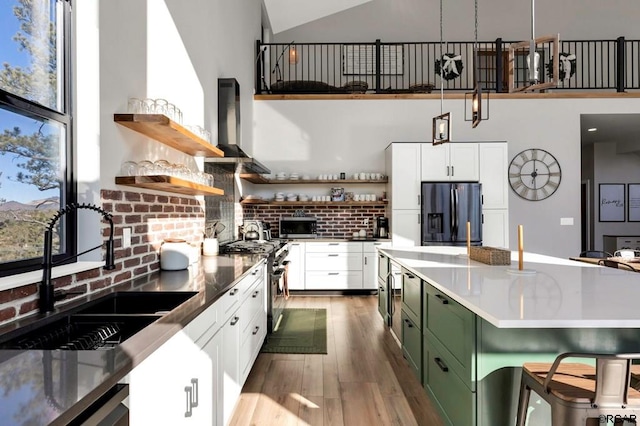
(279, 293)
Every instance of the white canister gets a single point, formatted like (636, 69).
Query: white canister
(210, 247)
(175, 254)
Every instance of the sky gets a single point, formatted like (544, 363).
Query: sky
(11, 190)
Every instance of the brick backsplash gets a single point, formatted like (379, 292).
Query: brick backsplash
(151, 217)
(334, 221)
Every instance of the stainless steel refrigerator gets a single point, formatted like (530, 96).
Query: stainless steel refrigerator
(446, 209)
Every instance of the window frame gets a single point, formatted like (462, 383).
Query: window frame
(19, 105)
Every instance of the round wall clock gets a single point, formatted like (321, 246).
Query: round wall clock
(534, 174)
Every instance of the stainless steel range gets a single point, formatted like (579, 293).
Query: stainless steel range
(276, 252)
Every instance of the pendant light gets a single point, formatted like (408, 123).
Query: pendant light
(533, 59)
(441, 125)
(476, 95)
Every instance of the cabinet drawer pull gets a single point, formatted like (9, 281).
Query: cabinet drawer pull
(256, 293)
(382, 289)
(381, 256)
(410, 276)
(442, 299)
(233, 292)
(332, 255)
(295, 244)
(333, 244)
(441, 364)
(235, 320)
(333, 273)
(408, 323)
(256, 330)
(255, 272)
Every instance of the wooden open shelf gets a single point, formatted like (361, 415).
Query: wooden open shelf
(313, 203)
(163, 129)
(168, 184)
(255, 178)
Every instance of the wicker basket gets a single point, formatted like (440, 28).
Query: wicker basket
(490, 255)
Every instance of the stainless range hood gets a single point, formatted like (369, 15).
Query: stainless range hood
(235, 159)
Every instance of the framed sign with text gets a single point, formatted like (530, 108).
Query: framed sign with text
(633, 202)
(611, 202)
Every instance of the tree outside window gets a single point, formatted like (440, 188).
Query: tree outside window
(35, 166)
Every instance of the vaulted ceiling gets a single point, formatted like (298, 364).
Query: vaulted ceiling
(286, 14)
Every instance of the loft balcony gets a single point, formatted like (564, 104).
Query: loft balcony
(378, 67)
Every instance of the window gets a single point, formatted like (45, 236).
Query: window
(36, 171)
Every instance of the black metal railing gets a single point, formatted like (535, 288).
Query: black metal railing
(414, 67)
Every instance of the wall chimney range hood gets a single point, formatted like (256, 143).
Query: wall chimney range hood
(235, 159)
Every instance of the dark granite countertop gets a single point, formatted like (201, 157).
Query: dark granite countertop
(40, 387)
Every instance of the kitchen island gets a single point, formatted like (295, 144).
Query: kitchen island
(480, 323)
(41, 387)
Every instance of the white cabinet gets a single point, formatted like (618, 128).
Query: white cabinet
(172, 386)
(495, 228)
(243, 330)
(403, 169)
(370, 264)
(296, 267)
(618, 242)
(405, 228)
(333, 266)
(493, 175)
(450, 162)
(195, 378)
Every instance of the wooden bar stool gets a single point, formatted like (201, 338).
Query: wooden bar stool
(577, 392)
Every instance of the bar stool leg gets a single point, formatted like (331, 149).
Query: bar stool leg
(523, 402)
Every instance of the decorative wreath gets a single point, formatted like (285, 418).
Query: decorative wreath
(449, 66)
(567, 66)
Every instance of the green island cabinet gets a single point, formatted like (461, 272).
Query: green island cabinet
(383, 294)
(449, 356)
(411, 317)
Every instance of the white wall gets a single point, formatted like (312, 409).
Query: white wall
(610, 167)
(314, 136)
(419, 20)
(174, 50)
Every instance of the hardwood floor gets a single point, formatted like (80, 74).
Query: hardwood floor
(363, 380)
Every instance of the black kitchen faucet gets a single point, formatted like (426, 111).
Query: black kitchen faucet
(46, 291)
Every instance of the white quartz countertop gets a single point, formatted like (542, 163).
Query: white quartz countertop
(559, 293)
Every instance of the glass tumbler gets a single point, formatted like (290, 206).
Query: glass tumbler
(135, 106)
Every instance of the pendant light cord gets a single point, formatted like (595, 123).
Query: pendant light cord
(441, 64)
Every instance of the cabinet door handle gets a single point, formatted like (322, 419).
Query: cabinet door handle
(441, 364)
(418, 199)
(256, 330)
(235, 320)
(410, 276)
(188, 390)
(233, 292)
(365, 260)
(332, 255)
(195, 393)
(442, 299)
(255, 272)
(452, 172)
(408, 323)
(447, 170)
(334, 273)
(382, 289)
(256, 293)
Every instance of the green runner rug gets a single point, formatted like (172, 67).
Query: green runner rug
(300, 331)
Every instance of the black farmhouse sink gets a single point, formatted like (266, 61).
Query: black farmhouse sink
(132, 302)
(99, 324)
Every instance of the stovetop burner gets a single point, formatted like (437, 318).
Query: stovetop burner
(252, 247)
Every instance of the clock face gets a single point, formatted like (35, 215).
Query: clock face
(534, 174)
